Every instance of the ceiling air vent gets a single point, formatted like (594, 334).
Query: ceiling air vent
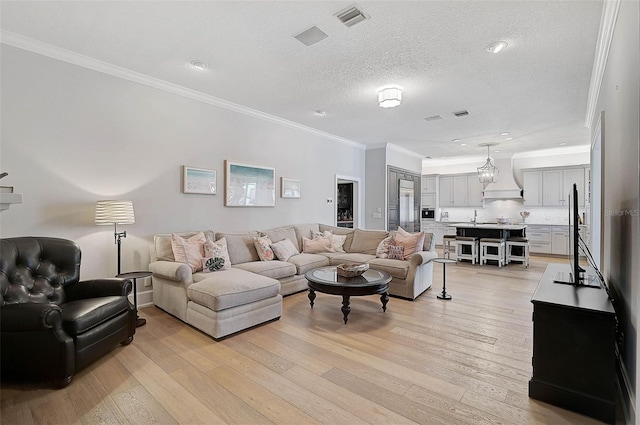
(433, 118)
(351, 16)
(461, 113)
(311, 36)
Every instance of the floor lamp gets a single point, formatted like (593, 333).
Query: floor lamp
(115, 212)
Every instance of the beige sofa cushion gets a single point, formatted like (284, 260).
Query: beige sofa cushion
(162, 243)
(429, 242)
(398, 269)
(232, 288)
(274, 269)
(306, 230)
(280, 233)
(240, 246)
(340, 231)
(354, 257)
(367, 241)
(305, 262)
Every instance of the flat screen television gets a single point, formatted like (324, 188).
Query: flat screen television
(576, 276)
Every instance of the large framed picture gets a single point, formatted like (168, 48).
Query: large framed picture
(289, 188)
(249, 185)
(198, 180)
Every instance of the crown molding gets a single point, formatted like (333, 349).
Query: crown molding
(605, 36)
(44, 49)
(405, 151)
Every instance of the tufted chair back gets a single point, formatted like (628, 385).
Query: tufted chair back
(35, 269)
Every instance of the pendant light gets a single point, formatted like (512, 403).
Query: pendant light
(488, 173)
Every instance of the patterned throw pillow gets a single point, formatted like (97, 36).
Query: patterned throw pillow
(383, 247)
(218, 258)
(316, 246)
(412, 242)
(189, 251)
(284, 249)
(337, 241)
(263, 247)
(396, 252)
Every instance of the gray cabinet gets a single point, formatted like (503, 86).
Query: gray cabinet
(453, 191)
(532, 188)
(551, 187)
(474, 191)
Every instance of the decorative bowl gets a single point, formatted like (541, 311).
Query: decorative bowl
(503, 220)
(351, 270)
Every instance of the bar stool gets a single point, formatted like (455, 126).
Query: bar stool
(472, 243)
(521, 242)
(448, 245)
(485, 244)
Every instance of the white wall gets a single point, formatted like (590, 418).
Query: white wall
(72, 136)
(619, 98)
(376, 188)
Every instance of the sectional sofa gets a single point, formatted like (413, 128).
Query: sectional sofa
(250, 292)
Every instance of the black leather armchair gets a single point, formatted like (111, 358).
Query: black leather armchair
(51, 323)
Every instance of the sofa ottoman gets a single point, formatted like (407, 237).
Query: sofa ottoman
(231, 300)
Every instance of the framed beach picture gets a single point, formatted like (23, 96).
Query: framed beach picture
(198, 180)
(249, 185)
(289, 188)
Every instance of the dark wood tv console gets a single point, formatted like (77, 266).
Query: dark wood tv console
(574, 362)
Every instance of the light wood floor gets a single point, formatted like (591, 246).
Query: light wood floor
(465, 361)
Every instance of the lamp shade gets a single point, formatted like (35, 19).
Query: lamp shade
(114, 212)
(390, 97)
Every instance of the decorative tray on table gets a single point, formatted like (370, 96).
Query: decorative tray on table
(351, 270)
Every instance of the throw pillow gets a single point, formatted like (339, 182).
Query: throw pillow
(212, 264)
(411, 242)
(221, 253)
(284, 249)
(189, 251)
(263, 247)
(337, 241)
(396, 252)
(383, 247)
(316, 246)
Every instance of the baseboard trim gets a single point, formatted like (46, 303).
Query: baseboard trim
(626, 394)
(145, 298)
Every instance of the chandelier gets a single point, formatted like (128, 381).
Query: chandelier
(488, 172)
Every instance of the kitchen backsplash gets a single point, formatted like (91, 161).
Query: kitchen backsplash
(510, 209)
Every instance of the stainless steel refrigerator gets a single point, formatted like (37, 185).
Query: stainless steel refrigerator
(405, 206)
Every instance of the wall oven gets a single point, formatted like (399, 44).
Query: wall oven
(428, 213)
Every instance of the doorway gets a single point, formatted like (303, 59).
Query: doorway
(347, 206)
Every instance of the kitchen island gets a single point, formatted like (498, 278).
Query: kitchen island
(490, 230)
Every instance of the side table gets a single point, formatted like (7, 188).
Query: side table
(133, 276)
(444, 262)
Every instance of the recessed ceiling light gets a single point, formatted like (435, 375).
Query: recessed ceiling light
(508, 138)
(504, 133)
(496, 47)
(496, 151)
(455, 140)
(319, 113)
(562, 143)
(199, 65)
(463, 144)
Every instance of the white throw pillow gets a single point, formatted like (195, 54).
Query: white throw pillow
(317, 245)
(189, 251)
(284, 249)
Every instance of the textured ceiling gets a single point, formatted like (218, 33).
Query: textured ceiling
(536, 89)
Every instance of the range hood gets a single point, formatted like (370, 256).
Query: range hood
(505, 186)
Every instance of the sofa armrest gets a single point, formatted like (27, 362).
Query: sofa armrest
(422, 257)
(30, 317)
(172, 270)
(99, 288)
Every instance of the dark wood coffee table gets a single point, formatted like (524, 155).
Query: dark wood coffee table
(327, 281)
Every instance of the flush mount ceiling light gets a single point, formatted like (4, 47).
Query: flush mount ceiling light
(319, 113)
(199, 65)
(488, 172)
(497, 46)
(389, 97)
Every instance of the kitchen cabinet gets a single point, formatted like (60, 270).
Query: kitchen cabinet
(474, 191)
(539, 239)
(453, 191)
(428, 184)
(428, 226)
(551, 186)
(443, 229)
(560, 241)
(532, 188)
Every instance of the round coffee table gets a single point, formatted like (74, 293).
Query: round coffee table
(327, 281)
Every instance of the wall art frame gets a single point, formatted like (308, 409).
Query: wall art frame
(199, 180)
(249, 185)
(289, 188)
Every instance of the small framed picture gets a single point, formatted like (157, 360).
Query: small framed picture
(289, 188)
(198, 180)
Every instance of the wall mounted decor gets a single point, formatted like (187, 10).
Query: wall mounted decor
(198, 180)
(289, 188)
(249, 185)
